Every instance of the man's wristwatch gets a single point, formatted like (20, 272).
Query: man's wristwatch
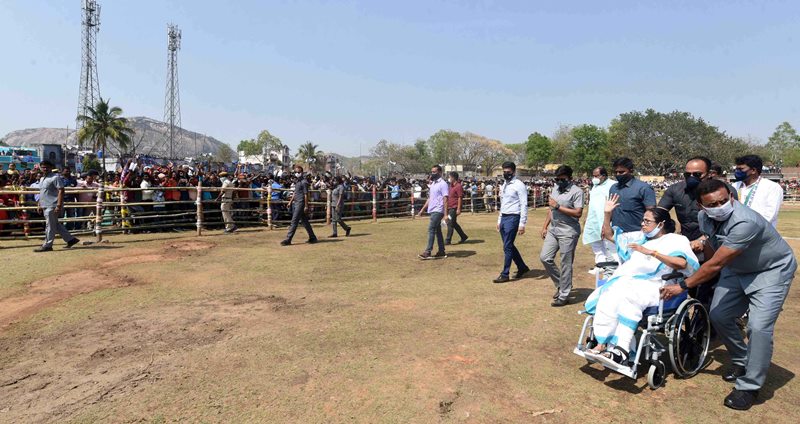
(683, 285)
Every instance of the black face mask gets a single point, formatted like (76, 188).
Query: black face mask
(508, 176)
(562, 185)
(692, 182)
(434, 177)
(623, 179)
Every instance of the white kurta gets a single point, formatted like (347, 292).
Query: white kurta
(763, 196)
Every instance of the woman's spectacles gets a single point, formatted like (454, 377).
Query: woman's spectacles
(647, 222)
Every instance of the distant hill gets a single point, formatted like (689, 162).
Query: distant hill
(149, 139)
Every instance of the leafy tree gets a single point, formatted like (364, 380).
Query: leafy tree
(269, 141)
(539, 150)
(493, 154)
(250, 148)
(3, 142)
(310, 156)
(520, 152)
(90, 162)
(104, 123)
(562, 144)
(590, 148)
(444, 146)
(783, 140)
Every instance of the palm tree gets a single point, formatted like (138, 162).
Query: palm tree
(309, 154)
(103, 123)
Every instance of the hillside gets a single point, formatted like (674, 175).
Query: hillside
(149, 139)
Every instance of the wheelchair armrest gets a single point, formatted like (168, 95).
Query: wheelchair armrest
(672, 276)
(606, 264)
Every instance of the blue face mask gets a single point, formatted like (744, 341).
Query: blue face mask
(653, 233)
(740, 175)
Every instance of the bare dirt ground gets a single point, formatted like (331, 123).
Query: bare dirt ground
(175, 328)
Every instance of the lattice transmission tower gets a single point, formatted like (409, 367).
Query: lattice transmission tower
(172, 102)
(89, 92)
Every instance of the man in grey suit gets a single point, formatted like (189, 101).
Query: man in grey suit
(756, 268)
(337, 205)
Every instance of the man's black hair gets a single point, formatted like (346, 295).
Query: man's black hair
(454, 174)
(510, 165)
(623, 162)
(710, 186)
(703, 159)
(564, 170)
(752, 162)
(438, 168)
(602, 170)
(46, 163)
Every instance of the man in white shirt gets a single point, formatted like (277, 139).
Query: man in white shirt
(759, 194)
(511, 221)
(226, 203)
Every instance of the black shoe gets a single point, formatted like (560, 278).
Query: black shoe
(43, 249)
(234, 229)
(741, 400)
(347, 232)
(448, 243)
(312, 241)
(501, 279)
(439, 255)
(521, 272)
(555, 295)
(333, 236)
(72, 242)
(734, 372)
(424, 255)
(559, 302)
(463, 240)
(286, 242)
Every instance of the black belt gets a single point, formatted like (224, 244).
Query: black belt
(509, 214)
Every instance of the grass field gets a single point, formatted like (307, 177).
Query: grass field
(172, 327)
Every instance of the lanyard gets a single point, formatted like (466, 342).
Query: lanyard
(749, 198)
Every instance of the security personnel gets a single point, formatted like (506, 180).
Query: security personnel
(299, 207)
(756, 268)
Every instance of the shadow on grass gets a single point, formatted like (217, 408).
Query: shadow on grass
(777, 376)
(580, 295)
(460, 253)
(359, 235)
(473, 241)
(327, 240)
(537, 274)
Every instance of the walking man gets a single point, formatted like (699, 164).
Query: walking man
(561, 231)
(436, 205)
(299, 207)
(756, 268)
(454, 200)
(51, 204)
(604, 250)
(226, 203)
(511, 221)
(337, 205)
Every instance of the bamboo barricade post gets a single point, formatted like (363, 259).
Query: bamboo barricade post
(413, 212)
(386, 199)
(328, 207)
(261, 202)
(374, 204)
(472, 201)
(496, 198)
(269, 207)
(26, 226)
(199, 205)
(98, 214)
(353, 199)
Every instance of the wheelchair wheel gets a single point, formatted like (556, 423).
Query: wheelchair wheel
(689, 337)
(656, 375)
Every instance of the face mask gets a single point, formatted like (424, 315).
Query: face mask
(692, 182)
(298, 174)
(508, 176)
(720, 213)
(595, 181)
(740, 175)
(434, 177)
(653, 233)
(623, 179)
(562, 185)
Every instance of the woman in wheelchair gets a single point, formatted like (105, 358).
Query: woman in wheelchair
(618, 305)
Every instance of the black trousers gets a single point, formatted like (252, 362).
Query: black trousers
(299, 216)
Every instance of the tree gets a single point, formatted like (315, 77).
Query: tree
(562, 144)
(539, 150)
(90, 162)
(250, 148)
(444, 146)
(520, 152)
(783, 140)
(308, 154)
(493, 154)
(104, 123)
(225, 154)
(269, 141)
(590, 148)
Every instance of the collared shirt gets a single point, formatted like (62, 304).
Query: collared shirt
(438, 191)
(300, 191)
(395, 190)
(686, 207)
(276, 190)
(763, 196)
(455, 195)
(49, 186)
(337, 197)
(765, 259)
(227, 190)
(561, 223)
(592, 230)
(635, 197)
(514, 201)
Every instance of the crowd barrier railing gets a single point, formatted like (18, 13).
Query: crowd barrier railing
(115, 209)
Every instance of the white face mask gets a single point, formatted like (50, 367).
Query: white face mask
(720, 213)
(298, 174)
(595, 181)
(653, 233)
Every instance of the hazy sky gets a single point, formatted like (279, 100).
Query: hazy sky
(348, 73)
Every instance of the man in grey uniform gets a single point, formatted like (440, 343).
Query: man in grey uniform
(51, 202)
(561, 231)
(756, 269)
(299, 207)
(337, 204)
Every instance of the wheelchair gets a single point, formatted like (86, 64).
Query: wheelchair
(679, 327)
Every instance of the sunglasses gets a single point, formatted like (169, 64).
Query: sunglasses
(693, 174)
